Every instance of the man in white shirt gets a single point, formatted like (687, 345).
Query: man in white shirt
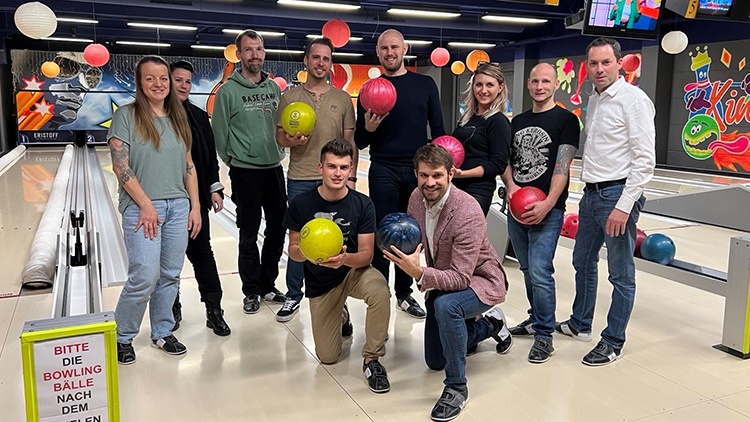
(618, 161)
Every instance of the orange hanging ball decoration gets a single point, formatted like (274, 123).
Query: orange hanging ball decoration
(50, 69)
(96, 55)
(476, 56)
(440, 57)
(337, 31)
(281, 82)
(230, 53)
(458, 67)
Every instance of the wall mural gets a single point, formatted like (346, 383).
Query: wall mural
(714, 107)
(83, 98)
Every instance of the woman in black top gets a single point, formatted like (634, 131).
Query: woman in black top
(485, 134)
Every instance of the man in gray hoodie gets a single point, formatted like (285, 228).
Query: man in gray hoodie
(244, 124)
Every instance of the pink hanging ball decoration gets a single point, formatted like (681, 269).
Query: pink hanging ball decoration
(281, 82)
(337, 31)
(440, 57)
(96, 55)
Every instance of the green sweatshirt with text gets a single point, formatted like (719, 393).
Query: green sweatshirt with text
(244, 122)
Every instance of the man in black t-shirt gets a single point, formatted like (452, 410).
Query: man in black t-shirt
(545, 140)
(348, 273)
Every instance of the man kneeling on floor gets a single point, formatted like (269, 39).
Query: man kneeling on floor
(463, 277)
(347, 274)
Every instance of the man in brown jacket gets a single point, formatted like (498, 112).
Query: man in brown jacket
(463, 277)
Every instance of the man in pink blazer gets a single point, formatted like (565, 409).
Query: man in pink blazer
(462, 280)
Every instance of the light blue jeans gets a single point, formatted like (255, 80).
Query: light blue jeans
(295, 271)
(153, 271)
(593, 212)
(535, 250)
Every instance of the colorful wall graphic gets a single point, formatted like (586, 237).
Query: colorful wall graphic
(715, 110)
(83, 98)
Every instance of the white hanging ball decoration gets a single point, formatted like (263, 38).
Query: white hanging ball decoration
(675, 42)
(35, 20)
(373, 73)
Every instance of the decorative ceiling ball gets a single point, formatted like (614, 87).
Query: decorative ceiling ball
(440, 57)
(35, 20)
(675, 42)
(476, 56)
(337, 31)
(458, 67)
(50, 69)
(302, 76)
(230, 53)
(281, 82)
(373, 72)
(96, 55)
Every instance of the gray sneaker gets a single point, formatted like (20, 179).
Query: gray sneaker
(500, 332)
(523, 329)
(251, 304)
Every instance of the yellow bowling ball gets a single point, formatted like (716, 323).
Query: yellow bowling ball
(298, 117)
(320, 239)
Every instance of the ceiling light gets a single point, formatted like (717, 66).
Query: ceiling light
(470, 45)
(311, 36)
(163, 26)
(410, 57)
(513, 19)
(77, 20)
(207, 47)
(418, 42)
(65, 39)
(280, 51)
(143, 44)
(261, 33)
(423, 13)
(342, 54)
(318, 5)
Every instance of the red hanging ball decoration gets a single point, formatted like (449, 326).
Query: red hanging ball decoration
(96, 55)
(337, 31)
(440, 57)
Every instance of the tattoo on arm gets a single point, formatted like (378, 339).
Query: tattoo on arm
(565, 156)
(121, 161)
(190, 168)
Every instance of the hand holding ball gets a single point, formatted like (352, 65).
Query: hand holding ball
(523, 197)
(320, 239)
(378, 95)
(298, 117)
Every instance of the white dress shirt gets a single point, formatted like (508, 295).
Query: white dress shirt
(620, 140)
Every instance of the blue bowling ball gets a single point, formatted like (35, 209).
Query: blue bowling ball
(400, 230)
(658, 248)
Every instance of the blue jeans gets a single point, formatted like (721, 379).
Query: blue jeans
(295, 273)
(593, 212)
(153, 270)
(390, 189)
(535, 250)
(447, 333)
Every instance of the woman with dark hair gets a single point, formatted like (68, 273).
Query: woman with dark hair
(150, 143)
(485, 134)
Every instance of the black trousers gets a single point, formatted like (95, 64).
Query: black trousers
(258, 192)
(390, 189)
(201, 255)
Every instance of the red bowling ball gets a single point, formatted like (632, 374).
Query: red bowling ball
(523, 197)
(570, 226)
(640, 236)
(454, 146)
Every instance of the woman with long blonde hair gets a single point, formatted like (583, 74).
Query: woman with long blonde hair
(485, 134)
(150, 143)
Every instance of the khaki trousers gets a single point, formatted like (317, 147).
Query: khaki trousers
(328, 315)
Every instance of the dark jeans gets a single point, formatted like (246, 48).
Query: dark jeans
(390, 189)
(450, 329)
(295, 271)
(253, 191)
(201, 255)
(485, 201)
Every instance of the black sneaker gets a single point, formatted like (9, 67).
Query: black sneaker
(347, 329)
(602, 354)
(377, 377)
(565, 328)
(251, 304)
(411, 307)
(274, 296)
(540, 351)
(125, 354)
(288, 310)
(500, 331)
(177, 312)
(215, 321)
(170, 345)
(523, 329)
(450, 404)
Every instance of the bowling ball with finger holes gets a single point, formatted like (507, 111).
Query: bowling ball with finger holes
(570, 226)
(525, 196)
(378, 95)
(454, 146)
(298, 117)
(400, 230)
(320, 239)
(640, 236)
(658, 248)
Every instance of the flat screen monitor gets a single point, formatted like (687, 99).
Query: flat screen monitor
(623, 18)
(715, 7)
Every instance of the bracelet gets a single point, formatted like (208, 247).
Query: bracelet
(353, 179)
